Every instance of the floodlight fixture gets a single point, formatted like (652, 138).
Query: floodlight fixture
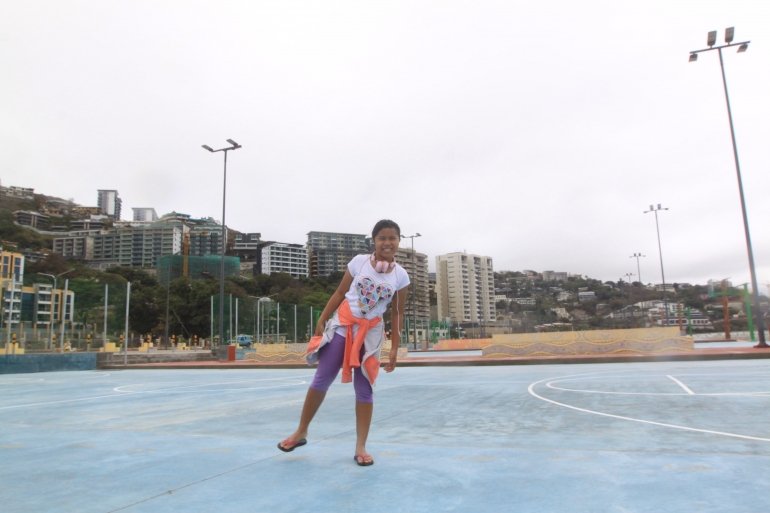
(712, 38)
(693, 57)
(234, 143)
(208, 148)
(729, 35)
(743, 47)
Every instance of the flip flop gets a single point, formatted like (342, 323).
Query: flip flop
(363, 457)
(291, 445)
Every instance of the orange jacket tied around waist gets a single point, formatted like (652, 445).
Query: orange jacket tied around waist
(352, 344)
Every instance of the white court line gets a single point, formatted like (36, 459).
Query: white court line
(292, 384)
(122, 393)
(551, 385)
(686, 389)
(67, 400)
(642, 421)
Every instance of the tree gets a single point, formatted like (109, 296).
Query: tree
(316, 299)
(52, 264)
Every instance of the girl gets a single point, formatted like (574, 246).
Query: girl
(354, 336)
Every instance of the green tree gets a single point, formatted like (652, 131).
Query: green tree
(316, 299)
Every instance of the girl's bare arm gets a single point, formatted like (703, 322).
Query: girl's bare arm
(334, 302)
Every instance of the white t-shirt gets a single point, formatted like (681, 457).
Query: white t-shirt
(371, 292)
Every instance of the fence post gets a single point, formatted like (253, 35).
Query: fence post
(125, 338)
(106, 296)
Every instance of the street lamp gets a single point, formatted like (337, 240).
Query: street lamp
(234, 146)
(627, 276)
(742, 47)
(257, 318)
(660, 252)
(639, 272)
(414, 297)
(55, 278)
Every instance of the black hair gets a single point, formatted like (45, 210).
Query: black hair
(385, 223)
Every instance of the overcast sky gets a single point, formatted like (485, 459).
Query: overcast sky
(534, 132)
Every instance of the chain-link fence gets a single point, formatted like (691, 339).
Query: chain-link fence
(247, 321)
(79, 315)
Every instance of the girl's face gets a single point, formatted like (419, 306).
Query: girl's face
(386, 244)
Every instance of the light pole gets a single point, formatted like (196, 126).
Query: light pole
(168, 299)
(55, 278)
(628, 276)
(259, 305)
(639, 273)
(660, 252)
(742, 47)
(414, 288)
(234, 146)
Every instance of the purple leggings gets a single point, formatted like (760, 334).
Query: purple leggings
(330, 359)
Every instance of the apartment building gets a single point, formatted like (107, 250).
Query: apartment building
(136, 246)
(206, 239)
(87, 211)
(465, 287)
(205, 234)
(554, 276)
(36, 303)
(246, 248)
(109, 203)
(26, 193)
(331, 251)
(76, 247)
(32, 219)
(86, 225)
(145, 214)
(416, 266)
(281, 257)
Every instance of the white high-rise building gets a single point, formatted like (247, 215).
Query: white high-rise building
(280, 257)
(465, 288)
(109, 203)
(418, 276)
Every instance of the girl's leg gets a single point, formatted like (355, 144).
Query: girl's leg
(329, 365)
(364, 410)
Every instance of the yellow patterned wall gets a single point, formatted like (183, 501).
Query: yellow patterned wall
(295, 353)
(640, 340)
(461, 344)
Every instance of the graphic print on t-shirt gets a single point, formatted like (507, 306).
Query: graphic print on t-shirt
(371, 294)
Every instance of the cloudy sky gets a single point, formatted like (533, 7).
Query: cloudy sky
(533, 132)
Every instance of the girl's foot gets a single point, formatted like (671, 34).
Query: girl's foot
(295, 440)
(363, 459)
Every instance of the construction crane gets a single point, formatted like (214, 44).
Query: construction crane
(185, 253)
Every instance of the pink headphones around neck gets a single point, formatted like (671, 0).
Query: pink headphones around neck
(382, 266)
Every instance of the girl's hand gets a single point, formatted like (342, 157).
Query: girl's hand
(319, 329)
(392, 360)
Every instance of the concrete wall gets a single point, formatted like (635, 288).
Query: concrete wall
(111, 360)
(16, 364)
